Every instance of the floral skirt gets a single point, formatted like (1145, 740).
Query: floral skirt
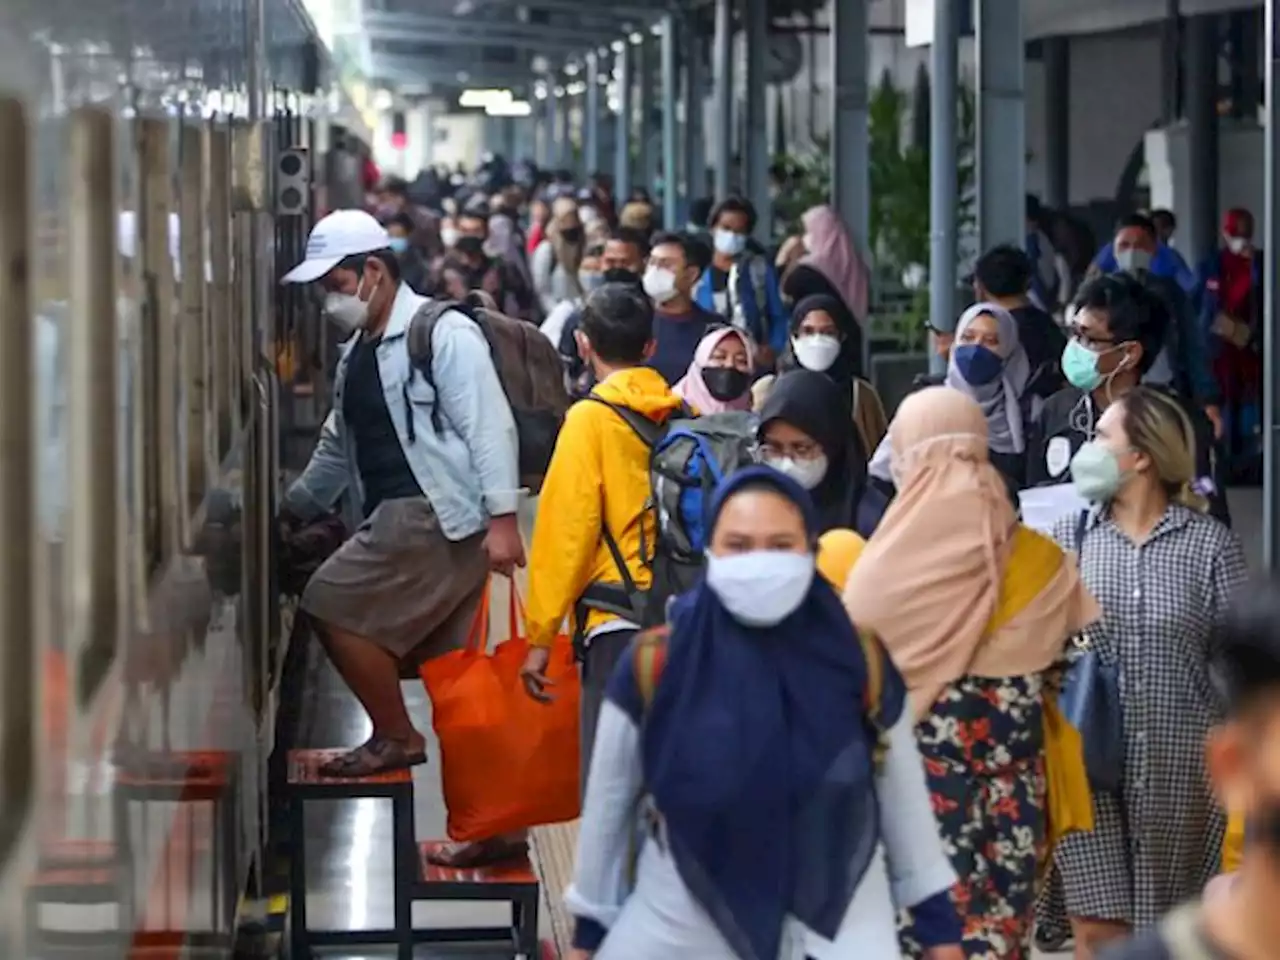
(983, 750)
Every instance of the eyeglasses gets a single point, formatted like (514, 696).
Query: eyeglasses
(795, 451)
(1089, 342)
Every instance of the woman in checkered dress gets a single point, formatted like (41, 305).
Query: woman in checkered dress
(1164, 573)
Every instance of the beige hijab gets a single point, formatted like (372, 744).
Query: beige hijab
(564, 212)
(929, 581)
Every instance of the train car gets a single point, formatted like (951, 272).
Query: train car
(157, 158)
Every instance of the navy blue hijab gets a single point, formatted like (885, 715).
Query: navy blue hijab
(759, 756)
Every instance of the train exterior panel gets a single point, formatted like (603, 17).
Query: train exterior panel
(141, 217)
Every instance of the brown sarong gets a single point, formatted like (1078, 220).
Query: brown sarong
(400, 583)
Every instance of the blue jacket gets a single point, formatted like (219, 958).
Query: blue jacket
(469, 471)
(1167, 263)
(755, 299)
(1207, 277)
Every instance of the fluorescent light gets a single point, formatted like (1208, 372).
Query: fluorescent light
(515, 108)
(483, 98)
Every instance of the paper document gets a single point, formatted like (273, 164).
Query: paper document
(1042, 507)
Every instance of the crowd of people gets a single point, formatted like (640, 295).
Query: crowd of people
(841, 736)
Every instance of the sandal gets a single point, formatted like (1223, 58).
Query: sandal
(376, 755)
(481, 853)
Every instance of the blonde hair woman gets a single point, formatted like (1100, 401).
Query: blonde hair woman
(975, 610)
(1163, 572)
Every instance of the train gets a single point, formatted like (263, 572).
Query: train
(158, 159)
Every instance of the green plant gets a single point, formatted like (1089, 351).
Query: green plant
(808, 184)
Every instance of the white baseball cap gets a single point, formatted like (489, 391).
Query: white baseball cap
(342, 234)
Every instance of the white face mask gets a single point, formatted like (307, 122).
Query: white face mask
(1237, 245)
(449, 236)
(659, 285)
(347, 310)
(729, 243)
(807, 473)
(816, 351)
(761, 588)
(1133, 259)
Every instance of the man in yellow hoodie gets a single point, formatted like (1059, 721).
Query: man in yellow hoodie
(593, 537)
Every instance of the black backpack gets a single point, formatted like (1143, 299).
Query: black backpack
(690, 456)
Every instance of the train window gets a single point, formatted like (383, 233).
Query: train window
(159, 383)
(220, 312)
(194, 325)
(18, 703)
(95, 518)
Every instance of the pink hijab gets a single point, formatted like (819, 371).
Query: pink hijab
(833, 254)
(691, 388)
(929, 580)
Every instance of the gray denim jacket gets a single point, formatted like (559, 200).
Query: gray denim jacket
(469, 471)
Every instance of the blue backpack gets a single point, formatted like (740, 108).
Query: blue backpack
(690, 456)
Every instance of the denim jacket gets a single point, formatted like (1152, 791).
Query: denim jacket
(469, 470)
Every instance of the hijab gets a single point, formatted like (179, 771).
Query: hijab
(1001, 399)
(693, 389)
(568, 255)
(813, 403)
(847, 364)
(758, 755)
(929, 579)
(833, 254)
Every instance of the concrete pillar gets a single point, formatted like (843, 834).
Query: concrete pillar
(723, 111)
(942, 169)
(1057, 122)
(755, 153)
(850, 181)
(622, 142)
(1200, 98)
(548, 145)
(695, 156)
(1002, 134)
(647, 77)
(1170, 53)
(591, 116)
(670, 80)
(1270, 223)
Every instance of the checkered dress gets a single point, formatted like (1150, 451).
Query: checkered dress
(1159, 841)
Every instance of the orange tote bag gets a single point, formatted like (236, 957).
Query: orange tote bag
(508, 761)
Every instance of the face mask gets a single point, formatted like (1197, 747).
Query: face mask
(347, 310)
(1133, 260)
(977, 364)
(399, 244)
(816, 351)
(807, 473)
(449, 236)
(588, 215)
(1080, 366)
(470, 246)
(729, 243)
(725, 383)
(659, 285)
(1096, 473)
(761, 588)
(1237, 245)
(571, 235)
(590, 280)
(621, 275)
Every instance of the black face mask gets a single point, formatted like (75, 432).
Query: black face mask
(571, 235)
(621, 275)
(725, 383)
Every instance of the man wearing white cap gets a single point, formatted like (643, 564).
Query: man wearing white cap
(432, 464)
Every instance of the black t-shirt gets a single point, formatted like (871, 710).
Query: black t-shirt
(384, 471)
(1068, 419)
(1044, 341)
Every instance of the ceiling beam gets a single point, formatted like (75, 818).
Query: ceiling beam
(404, 69)
(384, 26)
(618, 11)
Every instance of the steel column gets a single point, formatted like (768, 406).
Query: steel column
(622, 160)
(1002, 131)
(850, 177)
(670, 173)
(1200, 99)
(552, 144)
(1170, 43)
(646, 70)
(723, 110)
(756, 145)
(695, 159)
(942, 170)
(1057, 123)
(591, 116)
(1270, 222)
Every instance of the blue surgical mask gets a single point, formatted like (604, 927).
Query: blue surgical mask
(978, 365)
(761, 588)
(1096, 472)
(399, 244)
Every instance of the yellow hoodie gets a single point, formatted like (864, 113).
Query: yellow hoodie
(598, 477)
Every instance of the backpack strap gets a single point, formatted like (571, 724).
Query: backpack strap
(873, 693)
(648, 658)
(419, 338)
(650, 431)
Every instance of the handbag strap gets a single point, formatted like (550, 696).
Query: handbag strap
(1082, 527)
